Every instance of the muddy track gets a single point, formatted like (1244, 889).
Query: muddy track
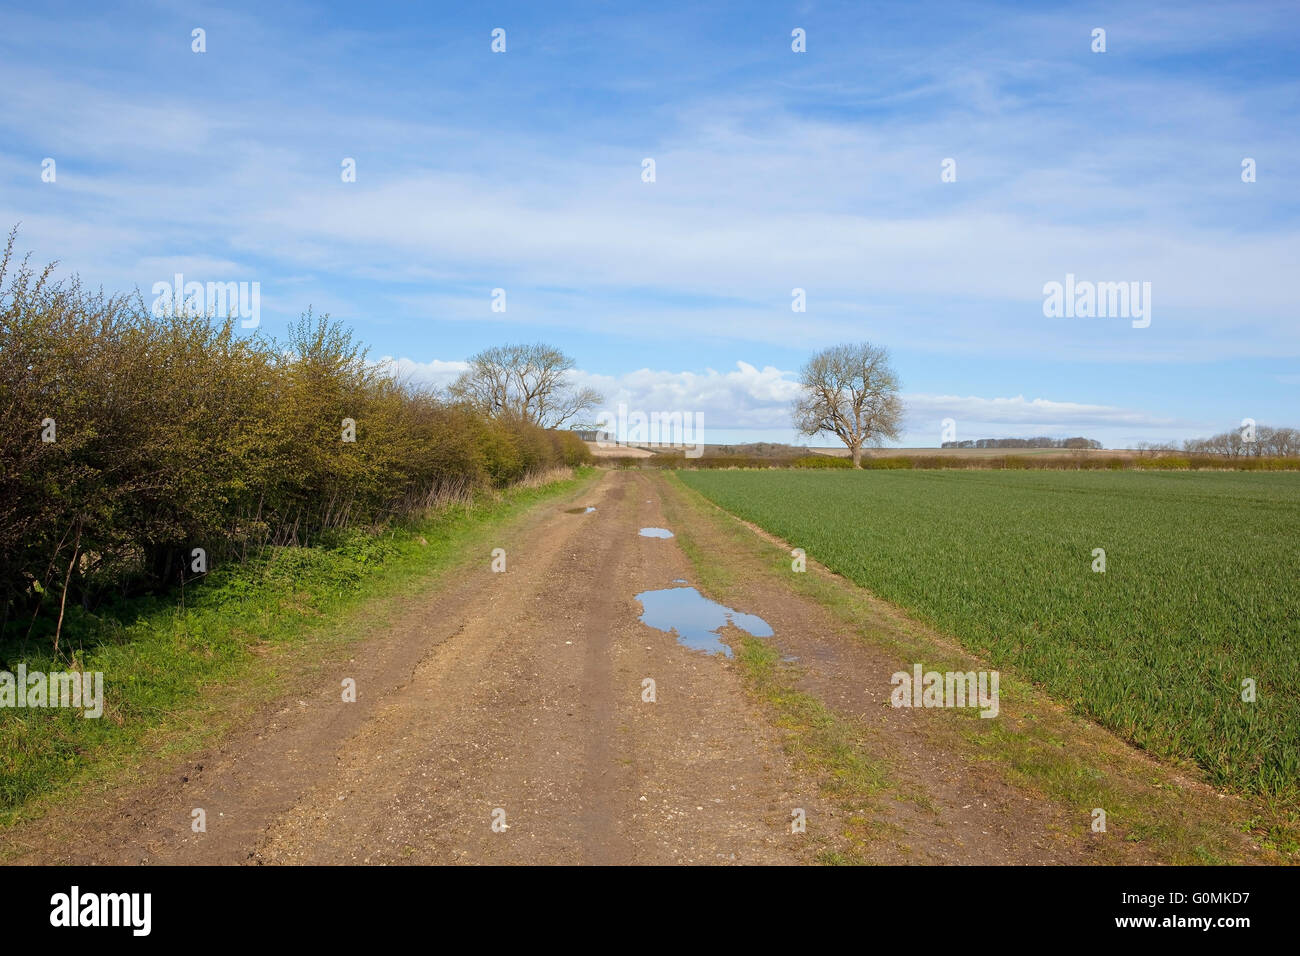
(510, 697)
(501, 719)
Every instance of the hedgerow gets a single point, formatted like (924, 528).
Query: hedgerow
(128, 440)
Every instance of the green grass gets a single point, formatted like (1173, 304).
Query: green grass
(821, 745)
(176, 674)
(1199, 591)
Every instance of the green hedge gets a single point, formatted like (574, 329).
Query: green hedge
(174, 433)
(821, 461)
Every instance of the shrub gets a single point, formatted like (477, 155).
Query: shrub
(172, 433)
(821, 461)
(1163, 462)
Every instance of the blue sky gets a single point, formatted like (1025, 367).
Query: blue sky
(774, 170)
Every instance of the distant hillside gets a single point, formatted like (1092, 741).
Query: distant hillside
(1039, 442)
(761, 449)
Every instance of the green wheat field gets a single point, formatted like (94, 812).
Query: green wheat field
(1199, 592)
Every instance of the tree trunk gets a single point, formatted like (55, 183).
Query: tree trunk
(857, 455)
(63, 601)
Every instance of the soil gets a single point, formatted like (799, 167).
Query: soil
(501, 718)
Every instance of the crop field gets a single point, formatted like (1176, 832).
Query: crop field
(1199, 591)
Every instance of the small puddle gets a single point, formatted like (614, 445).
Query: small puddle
(695, 619)
(580, 511)
(679, 580)
(656, 533)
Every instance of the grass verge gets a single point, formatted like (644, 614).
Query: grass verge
(1168, 809)
(180, 672)
(820, 745)
(1183, 645)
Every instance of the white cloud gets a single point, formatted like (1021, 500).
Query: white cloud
(1019, 411)
(753, 198)
(436, 373)
(744, 397)
(749, 399)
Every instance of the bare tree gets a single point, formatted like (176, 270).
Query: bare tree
(851, 392)
(531, 382)
(1268, 442)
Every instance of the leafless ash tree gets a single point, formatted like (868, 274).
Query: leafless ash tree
(530, 382)
(849, 391)
(1268, 442)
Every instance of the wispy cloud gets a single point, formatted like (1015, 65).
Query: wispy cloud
(748, 398)
(774, 171)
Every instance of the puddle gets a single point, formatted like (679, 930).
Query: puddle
(679, 580)
(656, 533)
(695, 619)
(580, 511)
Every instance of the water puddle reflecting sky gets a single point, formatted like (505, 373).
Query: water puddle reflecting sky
(695, 619)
